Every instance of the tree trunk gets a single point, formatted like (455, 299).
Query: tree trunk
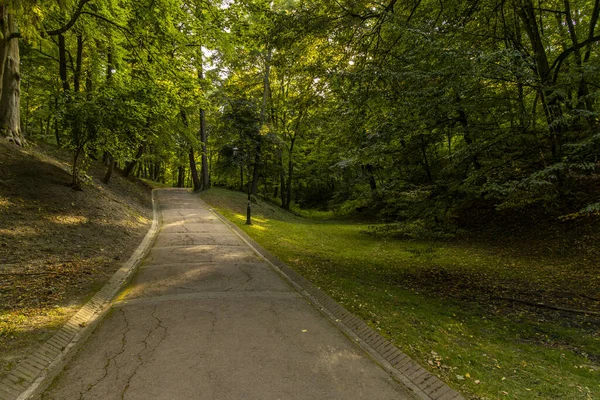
(372, 182)
(203, 135)
(62, 63)
(194, 172)
(242, 178)
(204, 158)
(78, 60)
(464, 122)
(282, 190)
(110, 162)
(181, 177)
(10, 89)
(75, 181)
(288, 184)
(255, 172)
(129, 166)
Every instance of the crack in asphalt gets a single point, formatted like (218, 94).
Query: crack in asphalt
(112, 359)
(146, 348)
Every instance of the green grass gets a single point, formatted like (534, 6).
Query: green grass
(439, 302)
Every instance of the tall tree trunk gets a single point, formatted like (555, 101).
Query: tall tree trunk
(263, 119)
(78, 61)
(10, 86)
(4, 40)
(62, 63)
(288, 184)
(583, 98)
(194, 171)
(203, 135)
(204, 158)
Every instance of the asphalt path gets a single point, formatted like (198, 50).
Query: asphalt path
(206, 318)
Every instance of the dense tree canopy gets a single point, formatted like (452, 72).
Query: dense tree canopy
(417, 110)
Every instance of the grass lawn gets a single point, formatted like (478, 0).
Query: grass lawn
(464, 310)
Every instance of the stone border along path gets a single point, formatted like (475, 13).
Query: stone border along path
(32, 376)
(424, 384)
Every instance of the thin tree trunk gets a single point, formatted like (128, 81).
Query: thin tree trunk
(242, 178)
(583, 99)
(75, 181)
(203, 135)
(288, 184)
(62, 63)
(78, 61)
(129, 166)
(109, 169)
(194, 171)
(372, 182)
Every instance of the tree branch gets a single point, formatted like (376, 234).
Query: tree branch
(71, 22)
(559, 60)
(123, 28)
(47, 55)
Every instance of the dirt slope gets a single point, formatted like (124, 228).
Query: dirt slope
(57, 245)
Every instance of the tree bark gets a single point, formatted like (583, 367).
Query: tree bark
(10, 89)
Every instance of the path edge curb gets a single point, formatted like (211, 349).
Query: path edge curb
(412, 375)
(33, 375)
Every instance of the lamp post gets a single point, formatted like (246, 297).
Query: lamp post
(249, 206)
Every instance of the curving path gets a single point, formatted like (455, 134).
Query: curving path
(205, 318)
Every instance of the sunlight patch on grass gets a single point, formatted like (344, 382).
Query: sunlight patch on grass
(68, 219)
(255, 227)
(18, 231)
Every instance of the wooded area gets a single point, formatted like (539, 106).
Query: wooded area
(418, 110)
